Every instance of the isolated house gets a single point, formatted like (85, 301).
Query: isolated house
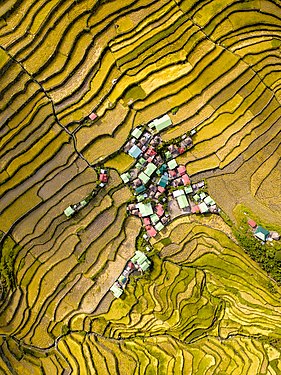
(69, 211)
(93, 116)
(261, 233)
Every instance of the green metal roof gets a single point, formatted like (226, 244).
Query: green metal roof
(144, 266)
(261, 233)
(172, 164)
(144, 177)
(150, 169)
(208, 200)
(203, 207)
(162, 123)
(188, 189)
(125, 177)
(145, 209)
(154, 218)
(116, 291)
(69, 211)
(196, 197)
(159, 226)
(168, 155)
(140, 198)
(142, 160)
(182, 201)
(140, 189)
(137, 132)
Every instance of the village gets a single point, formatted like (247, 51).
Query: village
(162, 188)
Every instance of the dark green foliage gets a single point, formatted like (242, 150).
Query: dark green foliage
(9, 251)
(166, 241)
(141, 243)
(267, 256)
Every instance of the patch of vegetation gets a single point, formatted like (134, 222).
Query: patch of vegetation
(267, 256)
(175, 110)
(9, 251)
(166, 241)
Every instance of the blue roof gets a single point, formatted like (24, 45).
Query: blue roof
(135, 151)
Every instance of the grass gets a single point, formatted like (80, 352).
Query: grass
(121, 162)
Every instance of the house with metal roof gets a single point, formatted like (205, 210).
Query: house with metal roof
(159, 226)
(161, 123)
(141, 260)
(261, 233)
(172, 164)
(150, 169)
(163, 181)
(125, 177)
(69, 211)
(209, 201)
(116, 290)
(154, 218)
(144, 178)
(135, 151)
(137, 132)
(188, 189)
(177, 193)
(145, 209)
(182, 201)
(203, 207)
(140, 189)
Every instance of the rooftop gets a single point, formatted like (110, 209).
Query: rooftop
(134, 151)
(172, 164)
(137, 132)
(145, 209)
(182, 201)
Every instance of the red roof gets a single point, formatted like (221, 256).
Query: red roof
(181, 170)
(252, 223)
(93, 116)
(146, 221)
(195, 209)
(150, 159)
(181, 150)
(151, 151)
(160, 210)
(103, 177)
(185, 179)
(172, 173)
(131, 265)
(161, 189)
(151, 231)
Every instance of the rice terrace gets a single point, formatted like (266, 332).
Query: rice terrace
(140, 187)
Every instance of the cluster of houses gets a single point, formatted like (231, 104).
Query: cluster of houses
(139, 262)
(74, 208)
(261, 233)
(156, 178)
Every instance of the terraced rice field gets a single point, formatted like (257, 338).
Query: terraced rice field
(205, 307)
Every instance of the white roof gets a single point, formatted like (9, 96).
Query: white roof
(177, 193)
